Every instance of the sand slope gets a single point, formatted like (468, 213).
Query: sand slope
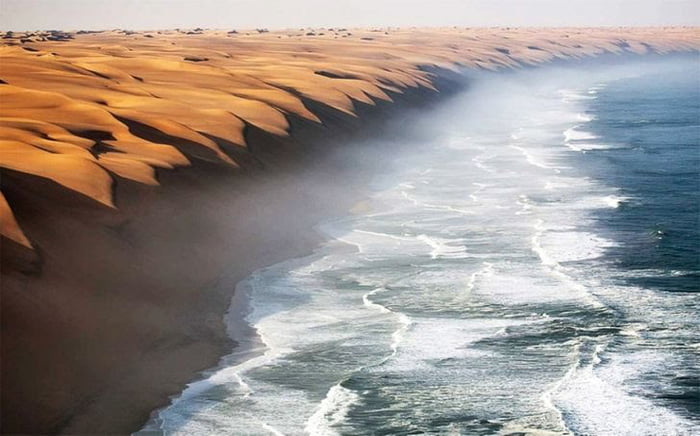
(66, 106)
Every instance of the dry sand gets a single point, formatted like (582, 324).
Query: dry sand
(137, 167)
(68, 105)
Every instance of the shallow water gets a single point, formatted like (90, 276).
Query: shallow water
(531, 266)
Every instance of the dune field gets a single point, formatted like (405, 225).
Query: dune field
(131, 166)
(68, 102)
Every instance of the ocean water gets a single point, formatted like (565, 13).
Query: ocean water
(530, 266)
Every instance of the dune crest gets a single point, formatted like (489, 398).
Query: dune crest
(69, 105)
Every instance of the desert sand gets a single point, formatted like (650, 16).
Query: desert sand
(140, 167)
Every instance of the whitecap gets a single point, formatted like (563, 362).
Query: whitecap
(331, 411)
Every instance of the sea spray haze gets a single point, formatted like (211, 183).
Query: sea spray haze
(528, 263)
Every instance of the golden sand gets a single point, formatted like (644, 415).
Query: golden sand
(61, 99)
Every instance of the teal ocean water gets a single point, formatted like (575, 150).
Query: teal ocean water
(530, 265)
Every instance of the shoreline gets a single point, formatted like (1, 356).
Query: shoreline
(187, 346)
(156, 319)
(237, 364)
(248, 344)
(245, 343)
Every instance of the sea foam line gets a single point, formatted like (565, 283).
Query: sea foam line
(530, 158)
(609, 408)
(547, 396)
(333, 409)
(404, 321)
(416, 202)
(441, 249)
(556, 269)
(479, 163)
(594, 358)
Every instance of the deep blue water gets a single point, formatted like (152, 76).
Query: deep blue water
(655, 121)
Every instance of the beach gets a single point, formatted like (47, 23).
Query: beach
(148, 172)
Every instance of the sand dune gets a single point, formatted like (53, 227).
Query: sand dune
(66, 104)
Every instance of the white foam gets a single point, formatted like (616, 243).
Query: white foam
(558, 246)
(425, 205)
(572, 96)
(553, 185)
(271, 429)
(421, 347)
(369, 303)
(524, 203)
(548, 394)
(396, 337)
(479, 162)
(551, 260)
(614, 201)
(584, 146)
(593, 202)
(634, 329)
(403, 321)
(654, 273)
(408, 197)
(516, 287)
(486, 270)
(607, 408)
(531, 158)
(369, 242)
(331, 411)
(574, 134)
(442, 248)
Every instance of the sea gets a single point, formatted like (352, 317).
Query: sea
(528, 264)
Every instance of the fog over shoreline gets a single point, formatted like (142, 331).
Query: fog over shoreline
(20, 15)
